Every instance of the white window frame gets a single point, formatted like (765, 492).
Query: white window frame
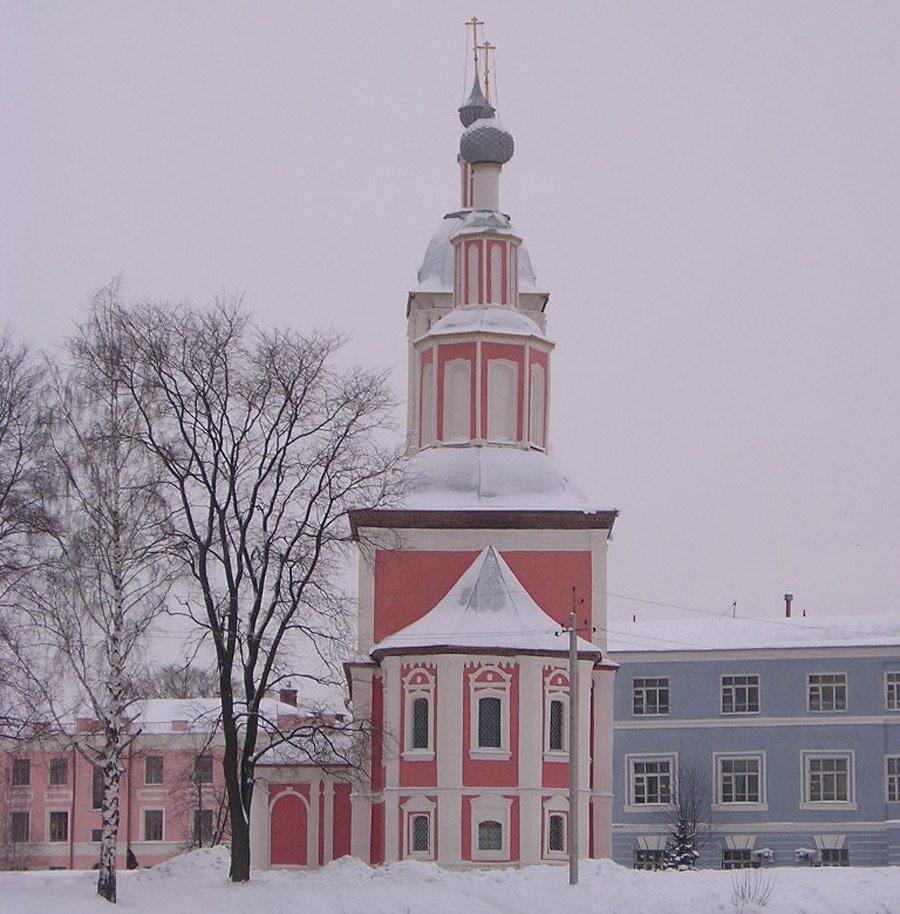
(806, 757)
(489, 681)
(630, 760)
(892, 690)
(491, 808)
(555, 690)
(9, 825)
(718, 792)
(736, 686)
(59, 762)
(68, 815)
(892, 777)
(556, 806)
(644, 689)
(412, 807)
(413, 688)
(162, 770)
(144, 838)
(832, 685)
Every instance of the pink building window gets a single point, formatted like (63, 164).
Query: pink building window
(153, 769)
(59, 826)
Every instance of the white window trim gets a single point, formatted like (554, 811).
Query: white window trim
(493, 689)
(722, 695)
(556, 806)
(19, 812)
(887, 707)
(68, 837)
(887, 759)
(509, 368)
(490, 809)
(805, 756)
(846, 693)
(144, 811)
(412, 807)
(645, 714)
(670, 757)
(556, 693)
(718, 803)
(410, 694)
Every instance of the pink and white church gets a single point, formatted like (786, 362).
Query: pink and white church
(464, 590)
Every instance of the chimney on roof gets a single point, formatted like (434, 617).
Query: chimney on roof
(288, 697)
(788, 599)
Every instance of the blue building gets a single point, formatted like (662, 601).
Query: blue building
(790, 729)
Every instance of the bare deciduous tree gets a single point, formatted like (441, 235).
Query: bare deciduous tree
(106, 572)
(22, 517)
(266, 446)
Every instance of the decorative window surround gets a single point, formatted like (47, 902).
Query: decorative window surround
(828, 779)
(486, 809)
(153, 824)
(740, 775)
(740, 694)
(650, 696)
(489, 682)
(826, 692)
(415, 809)
(650, 781)
(556, 828)
(556, 716)
(418, 685)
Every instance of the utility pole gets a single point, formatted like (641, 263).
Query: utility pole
(573, 745)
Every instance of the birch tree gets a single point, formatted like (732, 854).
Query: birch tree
(106, 572)
(265, 445)
(22, 518)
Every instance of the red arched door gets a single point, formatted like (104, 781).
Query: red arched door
(288, 831)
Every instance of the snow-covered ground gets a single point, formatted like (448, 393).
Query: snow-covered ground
(198, 882)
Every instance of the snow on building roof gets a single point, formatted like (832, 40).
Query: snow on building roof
(490, 478)
(725, 634)
(500, 320)
(486, 608)
(436, 272)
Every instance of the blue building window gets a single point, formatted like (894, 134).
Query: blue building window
(827, 691)
(650, 695)
(740, 694)
(892, 691)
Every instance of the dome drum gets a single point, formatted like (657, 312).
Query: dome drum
(475, 388)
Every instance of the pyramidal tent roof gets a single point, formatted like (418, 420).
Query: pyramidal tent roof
(486, 609)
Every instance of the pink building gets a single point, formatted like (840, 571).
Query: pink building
(172, 794)
(464, 589)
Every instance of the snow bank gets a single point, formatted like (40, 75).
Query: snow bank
(198, 882)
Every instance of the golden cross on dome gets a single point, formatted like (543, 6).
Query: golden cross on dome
(474, 22)
(487, 47)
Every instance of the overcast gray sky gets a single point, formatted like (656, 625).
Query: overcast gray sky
(709, 190)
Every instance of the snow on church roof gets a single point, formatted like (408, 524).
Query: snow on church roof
(490, 478)
(486, 608)
(436, 272)
(719, 634)
(501, 320)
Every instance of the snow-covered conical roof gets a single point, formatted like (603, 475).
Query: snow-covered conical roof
(487, 609)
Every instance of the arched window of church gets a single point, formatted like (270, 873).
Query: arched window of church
(490, 836)
(502, 377)
(426, 405)
(490, 732)
(497, 295)
(473, 256)
(536, 412)
(421, 733)
(457, 401)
